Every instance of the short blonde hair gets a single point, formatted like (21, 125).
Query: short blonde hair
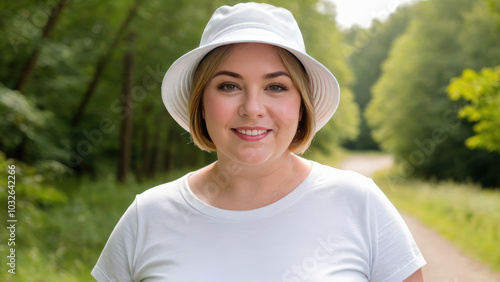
(203, 75)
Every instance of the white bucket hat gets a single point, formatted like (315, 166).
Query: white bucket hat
(245, 23)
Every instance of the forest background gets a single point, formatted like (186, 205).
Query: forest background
(82, 120)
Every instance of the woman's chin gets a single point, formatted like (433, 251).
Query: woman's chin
(257, 156)
(253, 156)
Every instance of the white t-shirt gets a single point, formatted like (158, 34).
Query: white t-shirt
(335, 226)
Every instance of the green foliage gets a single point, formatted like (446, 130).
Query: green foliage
(160, 32)
(366, 49)
(22, 118)
(34, 185)
(23, 122)
(411, 115)
(482, 91)
(63, 242)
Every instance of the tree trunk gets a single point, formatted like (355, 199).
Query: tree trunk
(170, 149)
(154, 155)
(137, 153)
(159, 151)
(127, 111)
(146, 152)
(101, 64)
(33, 58)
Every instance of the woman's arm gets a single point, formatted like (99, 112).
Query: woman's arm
(416, 277)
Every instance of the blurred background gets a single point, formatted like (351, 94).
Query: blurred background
(82, 119)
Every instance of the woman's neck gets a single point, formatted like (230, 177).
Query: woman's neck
(235, 186)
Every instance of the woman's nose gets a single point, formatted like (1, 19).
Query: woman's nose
(252, 105)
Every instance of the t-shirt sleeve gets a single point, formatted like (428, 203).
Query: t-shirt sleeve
(116, 260)
(395, 255)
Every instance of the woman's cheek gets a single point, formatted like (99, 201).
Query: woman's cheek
(218, 110)
(287, 111)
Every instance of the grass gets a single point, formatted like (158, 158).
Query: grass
(463, 213)
(63, 242)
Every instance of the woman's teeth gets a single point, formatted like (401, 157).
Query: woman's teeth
(251, 132)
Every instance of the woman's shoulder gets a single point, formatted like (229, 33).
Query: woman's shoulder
(352, 188)
(336, 175)
(337, 180)
(167, 191)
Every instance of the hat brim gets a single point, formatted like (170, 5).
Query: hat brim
(178, 80)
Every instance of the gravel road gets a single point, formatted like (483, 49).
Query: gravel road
(445, 262)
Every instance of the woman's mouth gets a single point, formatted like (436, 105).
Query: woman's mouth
(251, 134)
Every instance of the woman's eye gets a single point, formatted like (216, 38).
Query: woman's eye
(228, 87)
(276, 88)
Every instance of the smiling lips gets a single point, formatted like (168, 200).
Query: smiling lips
(251, 134)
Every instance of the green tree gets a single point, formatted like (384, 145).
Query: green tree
(482, 92)
(411, 115)
(90, 32)
(366, 49)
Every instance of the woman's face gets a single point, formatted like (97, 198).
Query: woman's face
(251, 106)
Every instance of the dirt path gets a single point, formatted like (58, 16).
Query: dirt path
(445, 262)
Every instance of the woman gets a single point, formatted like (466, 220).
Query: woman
(260, 212)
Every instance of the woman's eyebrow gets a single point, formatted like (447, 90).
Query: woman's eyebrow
(276, 74)
(229, 73)
(267, 76)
